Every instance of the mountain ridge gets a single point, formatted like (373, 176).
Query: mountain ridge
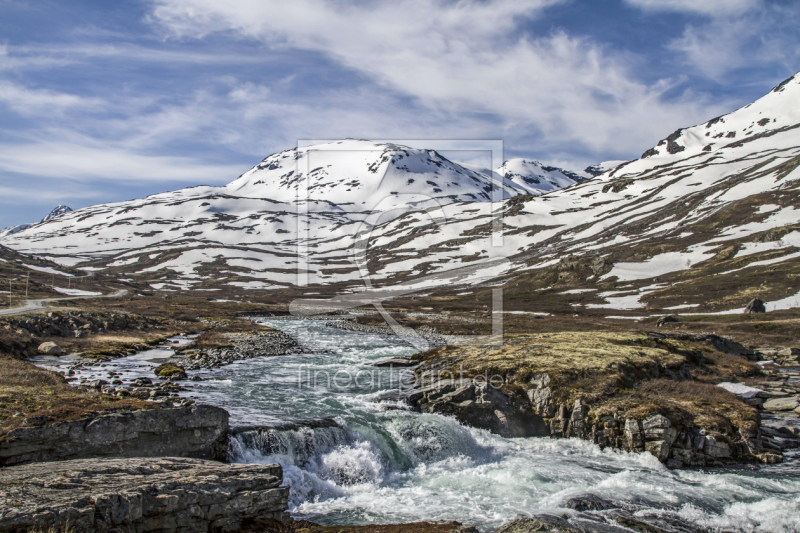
(682, 213)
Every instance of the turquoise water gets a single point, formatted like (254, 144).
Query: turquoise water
(352, 454)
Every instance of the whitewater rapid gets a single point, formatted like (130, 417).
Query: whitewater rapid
(366, 460)
(353, 454)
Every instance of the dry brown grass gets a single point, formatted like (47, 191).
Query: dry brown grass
(628, 374)
(34, 392)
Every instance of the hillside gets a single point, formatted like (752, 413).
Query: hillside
(695, 223)
(310, 200)
(704, 221)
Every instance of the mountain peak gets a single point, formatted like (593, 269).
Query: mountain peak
(537, 178)
(360, 175)
(57, 212)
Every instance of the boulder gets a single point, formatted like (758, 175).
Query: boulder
(658, 448)
(170, 371)
(588, 502)
(666, 320)
(717, 448)
(540, 523)
(50, 348)
(782, 404)
(396, 362)
(755, 306)
(633, 433)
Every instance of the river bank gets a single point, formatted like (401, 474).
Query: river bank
(377, 461)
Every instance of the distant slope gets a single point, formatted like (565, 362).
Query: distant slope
(710, 217)
(705, 220)
(536, 178)
(58, 211)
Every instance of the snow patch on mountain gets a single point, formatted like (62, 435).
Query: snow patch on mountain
(537, 178)
(357, 175)
(58, 211)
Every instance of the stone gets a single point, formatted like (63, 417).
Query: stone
(656, 421)
(714, 447)
(537, 524)
(170, 371)
(666, 320)
(541, 401)
(782, 404)
(163, 494)
(588, 502)
(199, 431)
(97, 384)
(633, 433)
(396, 362)
(658, 448)
(755, 306)
(50, 348)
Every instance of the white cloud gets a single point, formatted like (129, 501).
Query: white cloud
(712, 8)
(94, 160)
(459, 58)
(26, 101)
(723, 44)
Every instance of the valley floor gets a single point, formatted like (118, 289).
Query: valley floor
(584, 376)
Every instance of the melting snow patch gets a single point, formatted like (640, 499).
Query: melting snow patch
(76, 292)
(48, 270)
(658, 265)
(740, 390)
(577, 291)
(619, 302)
(791, 302)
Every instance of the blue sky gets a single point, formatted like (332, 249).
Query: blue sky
(107, 101)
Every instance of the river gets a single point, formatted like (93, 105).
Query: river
(352, 454)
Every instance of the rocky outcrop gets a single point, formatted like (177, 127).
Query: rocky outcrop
(78, 323)
(135, 495)
(243, 346)
(510, 415)
(480, 405)
(198, 431)
(782, 356)
(631, 392)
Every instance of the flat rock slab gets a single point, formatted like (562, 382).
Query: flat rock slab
(396, 361)
(782, 404)
(197, 431)
(137, 495)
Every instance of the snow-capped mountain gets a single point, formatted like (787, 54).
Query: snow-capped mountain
(536, 178)
(605, 166)
(316, 197)
(362, 175)
(712, 206)
(58, 211)
(11, 230)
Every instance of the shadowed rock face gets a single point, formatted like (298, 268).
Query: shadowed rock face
(628, 391)
(164, 494)
(199, 431)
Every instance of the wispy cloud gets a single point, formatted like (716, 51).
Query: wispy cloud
(27, 101)
(464, 58)
(94, 160)
(712, 8)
